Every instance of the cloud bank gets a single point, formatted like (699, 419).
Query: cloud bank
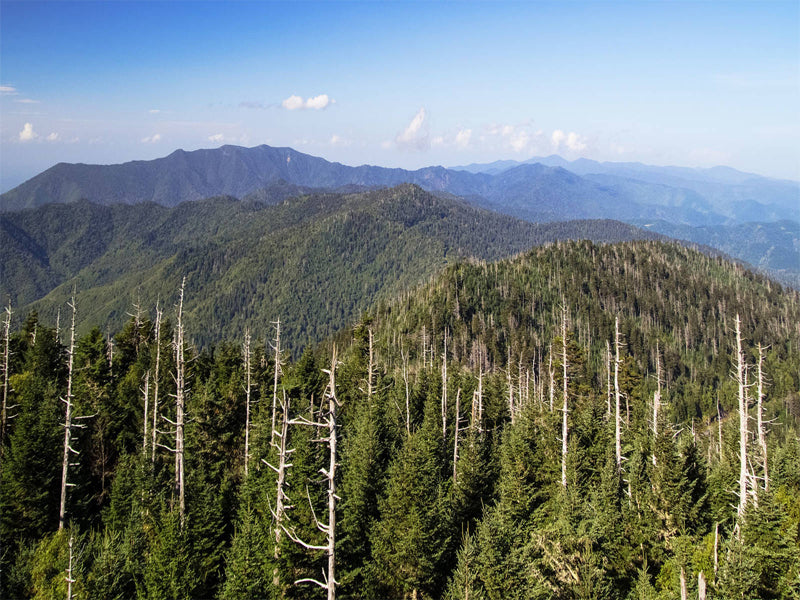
(415, 135)
(320, 102)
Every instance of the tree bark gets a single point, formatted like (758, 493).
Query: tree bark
(156, 378)
(62, 511)
(246, 351)
(6, 355)
(455, 434)
(657, 402)
(564, 429)
(146, 411)
(180, 400)
(762, 434)
(444, 388)
(277, 348)
(740, 379)
(617, 430)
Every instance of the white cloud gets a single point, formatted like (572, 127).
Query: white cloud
(53, 137)
(293, 103)
(571, 141)
(575, 142)
(27, 101)
(316, 103)
(152, 139)
(520, 138)
(337, 140)
(415, 136)
(216, 138)
(463, 137)
(437, 141)
(8, 90)
(27, 134)
(154, 111)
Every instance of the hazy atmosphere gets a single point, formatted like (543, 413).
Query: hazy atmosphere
(400, 300)
(402, 84)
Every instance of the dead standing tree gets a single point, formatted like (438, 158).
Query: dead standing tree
(565, 409)
(180, 405)
(156, 379)
(741, 380)
(6, 356)
(247, 390)
(762, 434)
(69, 424)
(617, 396)
(329, 528)
(281, 498)
(656, 401)
(277, 347)
(179, 377)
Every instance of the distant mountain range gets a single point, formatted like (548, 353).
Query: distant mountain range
(543, 189)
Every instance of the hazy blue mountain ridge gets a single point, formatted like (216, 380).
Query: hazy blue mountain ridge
(542, 189)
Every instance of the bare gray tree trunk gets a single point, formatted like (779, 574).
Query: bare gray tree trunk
(741, 369)
(684, 593)
(62, 511)
(246, 350)
(480, 396)
(608, 379)
(6, 356)
(281, 498)
(564, 430)
(762, 434)
(444, 388)
(69, 578)
(455, 433)
(617, 430)
(277, 348)
(180, 405)
(657, 402)
(552, 374)
(701, 586)
(156, 378)
(146, 411)
(329, 528)
(371, 368)
(408, 395)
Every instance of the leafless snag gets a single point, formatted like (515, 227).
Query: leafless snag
(69, 424)
(156, 379)
(328, 581)
(277, 347)
(565, 409)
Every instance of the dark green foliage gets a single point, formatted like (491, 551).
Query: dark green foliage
(505, 527)
(315, 261)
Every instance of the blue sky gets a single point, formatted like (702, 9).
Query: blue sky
(403, 84)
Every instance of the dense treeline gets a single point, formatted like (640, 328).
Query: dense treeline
(452, 476)
(317, 260)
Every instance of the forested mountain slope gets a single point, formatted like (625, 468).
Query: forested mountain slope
(496, 434)
(314, 261)
(773, 248)
(543, 189)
